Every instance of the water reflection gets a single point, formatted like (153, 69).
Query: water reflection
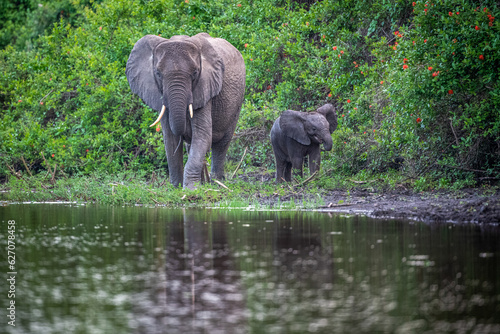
(91, 269)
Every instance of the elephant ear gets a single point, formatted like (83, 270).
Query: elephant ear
(212, 71)
(140, 71)
(328, 111)
(292, 125)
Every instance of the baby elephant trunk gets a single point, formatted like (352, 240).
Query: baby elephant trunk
(327, 142)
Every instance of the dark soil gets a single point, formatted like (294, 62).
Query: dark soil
(469, 205)
(478, 205)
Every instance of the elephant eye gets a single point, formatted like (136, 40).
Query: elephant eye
(314, 129)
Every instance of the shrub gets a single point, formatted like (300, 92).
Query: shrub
(416, 82)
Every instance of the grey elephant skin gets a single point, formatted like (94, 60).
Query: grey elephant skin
(296, 134)
(197, 84)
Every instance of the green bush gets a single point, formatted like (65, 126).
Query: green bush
(416, 84)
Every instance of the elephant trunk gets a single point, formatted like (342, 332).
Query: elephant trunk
(327, 141)
(179, 96)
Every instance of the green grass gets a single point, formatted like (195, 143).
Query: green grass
(129, 188)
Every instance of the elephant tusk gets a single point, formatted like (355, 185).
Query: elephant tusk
(159, 117)
(191, 110)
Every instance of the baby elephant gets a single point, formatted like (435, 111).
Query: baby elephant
(296, 134)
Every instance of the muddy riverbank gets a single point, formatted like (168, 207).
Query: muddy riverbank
(464, 206)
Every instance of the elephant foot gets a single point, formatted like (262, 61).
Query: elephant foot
(191, 185)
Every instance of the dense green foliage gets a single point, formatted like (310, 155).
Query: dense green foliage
(416, 84)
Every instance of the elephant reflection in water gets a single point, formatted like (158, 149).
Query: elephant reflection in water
(203, 291)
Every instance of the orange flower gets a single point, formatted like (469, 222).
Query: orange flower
(419, 120)
(405, 67)
(330, 95)
(348, 101)
(429, 68)
(481, 57)
(53, 155)
(381, 82)
(450, 91)
(246, 45)
(335, 48)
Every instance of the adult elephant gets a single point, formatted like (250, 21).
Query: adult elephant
(197, 84)
(296, 134)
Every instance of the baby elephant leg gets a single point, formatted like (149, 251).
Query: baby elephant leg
(314, 160)
(297, 165)
(280, 170)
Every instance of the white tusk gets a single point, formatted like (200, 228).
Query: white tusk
(191, 110)
(159, 117)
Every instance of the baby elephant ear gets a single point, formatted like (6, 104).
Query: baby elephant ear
(292, 124)
(140, 71)
(328, 111)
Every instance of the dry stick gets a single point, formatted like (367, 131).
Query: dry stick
(331, 205)
(309, 178)
(222, 185)
(153, 177)
(361, 182)
(239, 164)
(156, 202)
(46, 163)
(203, 173)
(205, 170)
(16, 174)
(26, 166)
(52, 180)
(43, 98)
(463, 168)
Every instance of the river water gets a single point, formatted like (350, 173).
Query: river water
(102, 269)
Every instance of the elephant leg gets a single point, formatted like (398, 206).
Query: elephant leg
(297, 165)
(288, 172)
(200, 144)
(219, 151)
(280, 170)
(314, 160)
(174, 150)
